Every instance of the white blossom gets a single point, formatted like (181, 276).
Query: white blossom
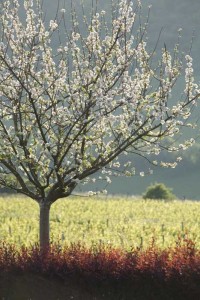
(90, 103)
(53, 25)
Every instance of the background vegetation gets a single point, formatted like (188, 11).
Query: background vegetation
(119, 222)
(159, 191)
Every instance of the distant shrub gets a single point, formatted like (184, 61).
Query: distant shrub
(159, 191)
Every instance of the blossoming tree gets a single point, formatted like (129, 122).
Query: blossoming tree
(70, 111)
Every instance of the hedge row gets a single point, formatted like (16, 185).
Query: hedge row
(101, 272)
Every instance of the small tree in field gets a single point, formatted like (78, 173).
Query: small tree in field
(159, 191)
(71, 110)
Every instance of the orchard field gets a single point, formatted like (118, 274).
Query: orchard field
(120, 222)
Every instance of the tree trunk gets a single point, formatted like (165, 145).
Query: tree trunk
(44, 226)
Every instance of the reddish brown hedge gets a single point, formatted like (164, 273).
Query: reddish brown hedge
(173, 272)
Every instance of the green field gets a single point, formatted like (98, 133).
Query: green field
(120, 222)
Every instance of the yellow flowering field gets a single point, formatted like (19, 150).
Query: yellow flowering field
(121, 222)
